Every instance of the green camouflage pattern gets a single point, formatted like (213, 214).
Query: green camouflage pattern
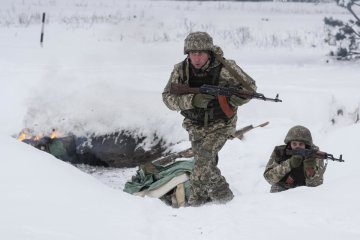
(198, 41)
(206, 181)
(299, 133)
(276, 169)
(184, 102)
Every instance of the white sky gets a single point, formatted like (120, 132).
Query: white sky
(93, 77)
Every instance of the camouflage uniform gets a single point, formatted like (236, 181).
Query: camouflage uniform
(279, 169)
(207, 183)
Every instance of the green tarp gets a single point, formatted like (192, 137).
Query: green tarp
(150, 180)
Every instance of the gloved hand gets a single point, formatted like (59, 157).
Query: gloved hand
(309, 166)
(295, 161)
(309, 162)
(201, 100)
(236, 101)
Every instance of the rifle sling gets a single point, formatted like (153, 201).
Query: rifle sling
(233, 72)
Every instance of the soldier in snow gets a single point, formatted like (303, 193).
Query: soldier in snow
(287, 170)
(208, 125)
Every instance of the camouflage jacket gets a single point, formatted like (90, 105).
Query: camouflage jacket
(278, 170)
(184, 102)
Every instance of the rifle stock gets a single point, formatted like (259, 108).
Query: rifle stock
(240, 133)
(180, 89)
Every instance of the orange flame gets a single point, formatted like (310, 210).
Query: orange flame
(54, 134)
(24, 134)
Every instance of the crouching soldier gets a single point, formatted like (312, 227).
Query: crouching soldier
(287, 170)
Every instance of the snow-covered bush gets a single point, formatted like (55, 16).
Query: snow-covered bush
(344, 36)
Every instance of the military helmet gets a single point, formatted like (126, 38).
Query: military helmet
(198, 41)
(299, 133)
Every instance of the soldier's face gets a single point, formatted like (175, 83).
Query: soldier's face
(198, 58)
(297, 145)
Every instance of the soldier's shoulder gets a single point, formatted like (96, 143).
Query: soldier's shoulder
(179, 65)
(231, 62)
(279, 150)
(177, 68)
(233, 65)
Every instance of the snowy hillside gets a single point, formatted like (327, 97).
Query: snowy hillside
(102, 68)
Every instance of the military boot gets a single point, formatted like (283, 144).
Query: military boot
(223, 196)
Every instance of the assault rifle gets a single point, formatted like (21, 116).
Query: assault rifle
(188, 153)
(312, 152)
(179, 89)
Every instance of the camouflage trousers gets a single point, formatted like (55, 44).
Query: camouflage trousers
(206, 182)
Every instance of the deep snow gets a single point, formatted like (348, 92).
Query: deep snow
(103, 67)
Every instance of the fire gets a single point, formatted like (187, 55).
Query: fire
(24, 134)
(54, 134)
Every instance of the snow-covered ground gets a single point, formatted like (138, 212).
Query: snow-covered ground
(103, 67)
